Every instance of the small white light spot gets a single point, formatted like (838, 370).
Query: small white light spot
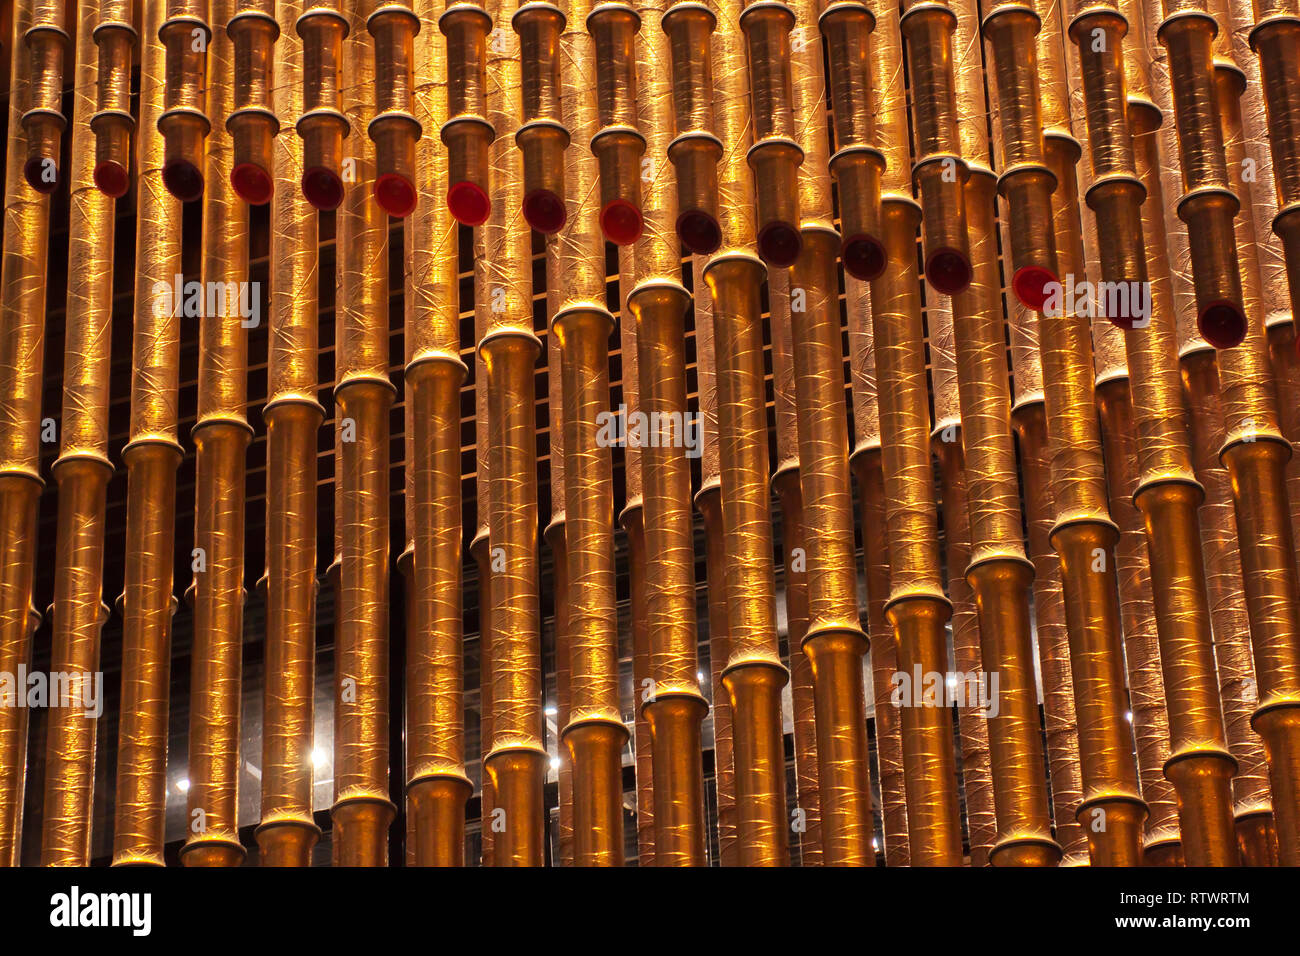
(183, 785)
(1128, 715)
(555, 763)
(318, 757)
(551, 711)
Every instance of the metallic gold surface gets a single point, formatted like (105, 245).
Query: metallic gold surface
(113, 123)
(695, 151)
(467, 133)
(542, 136)
(394, 128)
(293, 418)
(45, 45)
(251, 122)
(184, 122)
(322, 29)
(618, 143)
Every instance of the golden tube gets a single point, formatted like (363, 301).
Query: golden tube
(774, 157)
(221, 436)
(594, 734)
(753, 675)
(1025, 181)
(22, 315)
(618, 144)
(251, 122)
(542, 136)
(152, 455)
(656, 306)
(785, 482)
(994, 568)
(467, 133)
(437, 787)
(866, 465)
(516, 758)
(856, 164)
(113, 123)
(322, 30)
(939, 172)
(1209, 204)
(1275, 38)
(363, 396)
(184, 124)
(293, 416)
(695, 151)
(394, 128)
(81, 473)
(708, 500)
(46, 43)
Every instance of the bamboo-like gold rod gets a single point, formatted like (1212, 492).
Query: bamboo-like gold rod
(252, 122)
(754, 674)
(113, 124)
(786, 484)
(856, 164)
(293, 418)
(917, 609)
(394, 128)
(81, 474)
(363, 396)
(940, 172)
(1167, 494)
(695, 151)
(834, 643)
(656, 306)
(467, 133)
(867, 472)
(618, 144)
(45, 43)
(709, 502)
(184, 123)
(152, 455)
(437, 786)
(542, 136)
(322, 126)
(516, 758)
(1209, 202)
(595, 733)
(221, 436)
(998, 572)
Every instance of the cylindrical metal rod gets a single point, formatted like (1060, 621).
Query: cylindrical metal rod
(363, 396)
(542, 136)
(754, 674)
(595, 733)
(321, 125)
(917, 609)
(834, 642)
(939, 173)
(1209, 203)
(293, 417)
(806, 817)
(437, 787)
(867, 471)
(221, 436)
(81, 473)
(113, 123)
(709, 502)
(394, 128)
(695, 151)
(516, 758)
(998, 572)
(618, 143)
(184, 123)
(467, 133)
(152, 455)
(1167, 494)
(856, 163)
(657, 306)
(251, 121)
(45, 46)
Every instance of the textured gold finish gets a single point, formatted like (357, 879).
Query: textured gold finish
(394, 128)
(509, 349)
(618, 144)
(467, 133)
(184, 123)
(221, 437)
(322, 126)
(113, 123)
(696, 151)
(81, 474)
(251, 122)
(657, 305)
(293, 417)
(542, 136)
(45, 43)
